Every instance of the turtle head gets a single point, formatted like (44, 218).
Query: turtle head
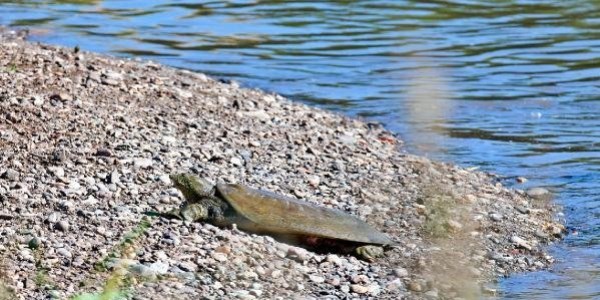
(192, 187)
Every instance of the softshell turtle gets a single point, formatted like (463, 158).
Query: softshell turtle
(286, 219)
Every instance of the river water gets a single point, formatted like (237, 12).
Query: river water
(511, 87)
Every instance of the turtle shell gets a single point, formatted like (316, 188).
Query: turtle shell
(266, 212)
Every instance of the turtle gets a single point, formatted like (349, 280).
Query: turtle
(284, 218)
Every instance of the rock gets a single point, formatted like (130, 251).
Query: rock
(114, 177)
(415, 286)
(541, 234)
(64, 252)
(538, 193)
(57, 171)
(522, 209)
(400, 272)
(316, 279)
(111, 78)
(496, 217)
(359, 289)
(142, 163)
(53, 218)
(364, 279)
(334, 259)
(454, 226)
(62, 96)
(143, 271)
(431, 294)
(313, 180)
(520, 242)
(10, 175)
(103, 152)
(38, 100)
(219, 256)
(236, 161)
(276, 274)
(395, 285)
(223, 249)
(521, 179)
(62, 226)
(298, 254)
(34, 243)
(188, 266)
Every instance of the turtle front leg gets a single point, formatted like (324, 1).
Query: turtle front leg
(191, 212)
(368, 252)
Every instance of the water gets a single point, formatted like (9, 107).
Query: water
(509, 86)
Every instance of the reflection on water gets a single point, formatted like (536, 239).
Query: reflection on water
(519, 95)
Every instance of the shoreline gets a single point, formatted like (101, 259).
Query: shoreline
(87, 142)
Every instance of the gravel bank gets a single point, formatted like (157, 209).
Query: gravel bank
(87, 143)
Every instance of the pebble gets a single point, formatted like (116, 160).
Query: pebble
(219, 256)
(520, 242)
(415, 286)
(316, 279)
(62, 96)
(62, 226)
(142, 163)
(236, 161)
(57, 171)
(159, 268)
(496, 217)
(64, 252)
(313, 180)
(360, 279)
(395, 285)
(34, 243)
(10, 175)
(359, 289)
(522, 209)
(53, 218)
(298, 254)
(431, 294)
(144, 271)
(103, 152)
(454, 226)
(400, 272)
(334, 259)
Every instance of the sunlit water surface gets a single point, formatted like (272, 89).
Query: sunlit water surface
(509, 86)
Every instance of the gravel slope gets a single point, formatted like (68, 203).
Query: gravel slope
(86, 145)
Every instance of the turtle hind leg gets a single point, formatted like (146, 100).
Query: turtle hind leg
(190, 212)
(368, 252)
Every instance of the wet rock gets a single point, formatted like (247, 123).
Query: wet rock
(521, 179)
(538, 193)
